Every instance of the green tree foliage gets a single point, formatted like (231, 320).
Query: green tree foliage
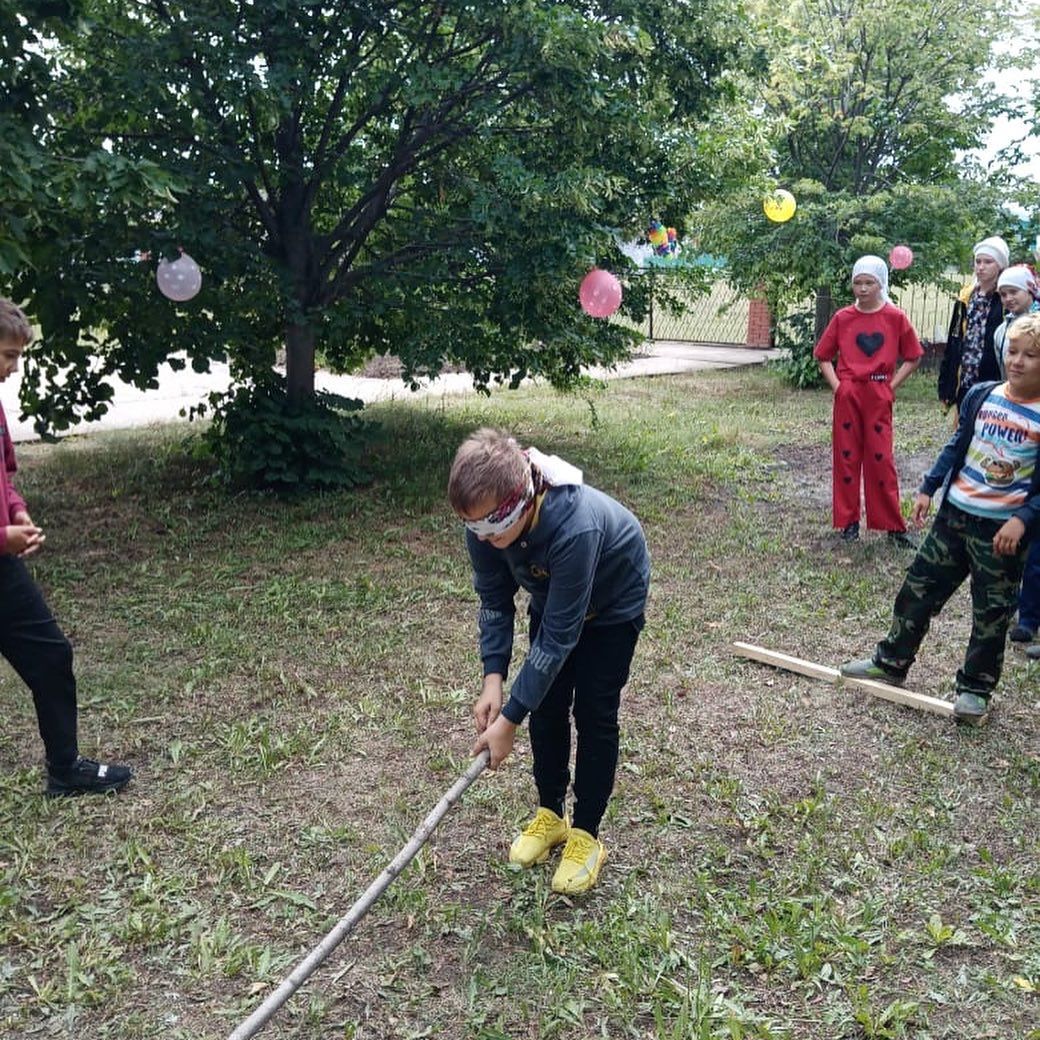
(868, 107)
(53, 185)
(864, 93)
(427, 178)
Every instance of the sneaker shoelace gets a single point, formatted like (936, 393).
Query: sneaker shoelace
(540, 826)
(579, 849)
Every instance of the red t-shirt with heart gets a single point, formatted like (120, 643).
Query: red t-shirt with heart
(868, 345)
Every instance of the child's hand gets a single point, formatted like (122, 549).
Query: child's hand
(1005, 541)
(24, 539)
(498, 739)
(489, 703)
(922, 507)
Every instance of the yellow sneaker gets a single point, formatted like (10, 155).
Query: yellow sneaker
(539, 838)
(579, 866)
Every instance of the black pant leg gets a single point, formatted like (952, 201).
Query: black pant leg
(550, 729)
(38, 651)
(602, 660)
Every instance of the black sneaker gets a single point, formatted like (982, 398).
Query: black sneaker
(1022, 634)
(903, 539)
(1033, 652)
(850, 532)
(85, 776)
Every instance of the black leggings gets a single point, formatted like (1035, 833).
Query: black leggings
(590, 684)
(39, 652)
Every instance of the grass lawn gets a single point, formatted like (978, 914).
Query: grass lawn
(292, 683)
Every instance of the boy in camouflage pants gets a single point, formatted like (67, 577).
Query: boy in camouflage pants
(990, 471)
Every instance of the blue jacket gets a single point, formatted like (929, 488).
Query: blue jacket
(951, 459)
(584, 562)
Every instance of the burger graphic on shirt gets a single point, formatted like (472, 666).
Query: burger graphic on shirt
(999, 472)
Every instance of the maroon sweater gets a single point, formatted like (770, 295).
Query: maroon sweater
(10, 501)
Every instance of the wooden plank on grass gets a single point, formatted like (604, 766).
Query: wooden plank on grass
(819, 671)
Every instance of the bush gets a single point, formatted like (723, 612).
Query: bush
(794, 336)
(262, 440)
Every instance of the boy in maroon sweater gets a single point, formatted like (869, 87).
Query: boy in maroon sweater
(30, 638)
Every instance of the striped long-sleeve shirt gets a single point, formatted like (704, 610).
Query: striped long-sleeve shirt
(998, 468)
(953, 458)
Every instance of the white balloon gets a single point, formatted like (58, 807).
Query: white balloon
(178, 279)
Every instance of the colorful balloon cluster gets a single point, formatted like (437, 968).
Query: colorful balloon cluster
(664, 240)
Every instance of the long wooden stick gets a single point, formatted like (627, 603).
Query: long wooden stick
(819, 671)
(303, 971)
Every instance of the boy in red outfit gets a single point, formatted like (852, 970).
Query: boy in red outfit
(868, 339)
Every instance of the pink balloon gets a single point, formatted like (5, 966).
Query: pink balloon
(178, 279)
(901, 257)
(599, 293)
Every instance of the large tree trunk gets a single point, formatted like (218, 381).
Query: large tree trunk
(823, 311)
(299, 362)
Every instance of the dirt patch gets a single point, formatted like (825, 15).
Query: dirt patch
(808, 468)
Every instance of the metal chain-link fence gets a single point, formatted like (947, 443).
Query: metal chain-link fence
(928, 307)
(721, 316)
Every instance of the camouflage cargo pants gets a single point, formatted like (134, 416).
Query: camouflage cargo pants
(959, 545)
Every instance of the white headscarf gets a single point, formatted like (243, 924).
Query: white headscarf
(876, 268)
(1021, 277)
(995, 247)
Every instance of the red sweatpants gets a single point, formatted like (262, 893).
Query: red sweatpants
(862, 438)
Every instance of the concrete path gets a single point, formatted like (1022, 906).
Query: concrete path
(179, 391)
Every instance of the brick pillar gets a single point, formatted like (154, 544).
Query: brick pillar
(759, 323)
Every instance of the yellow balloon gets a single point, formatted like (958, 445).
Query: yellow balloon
(780, 206)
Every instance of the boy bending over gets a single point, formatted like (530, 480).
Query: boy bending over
(532, 523)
